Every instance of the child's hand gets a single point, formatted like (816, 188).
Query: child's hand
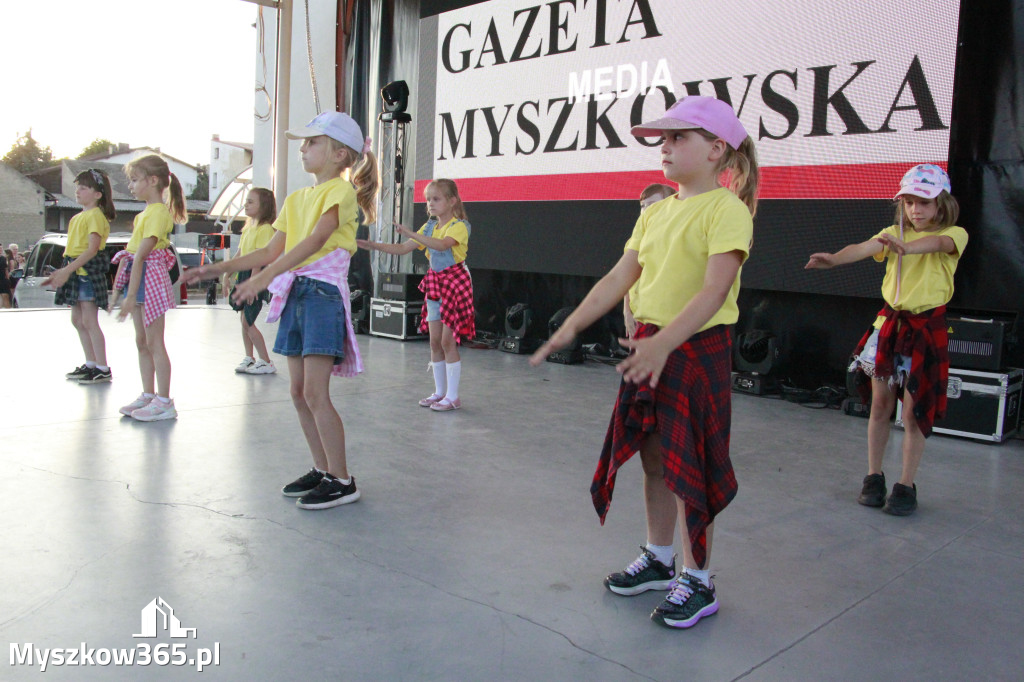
(193, 274)
(896, 245)
(127, 308)
(57, 279)
(364, 244)
(821, 261)
(113, 302)
(247, 291)
(404, 230)
(645, 363)
(630, 321)
(559, 340)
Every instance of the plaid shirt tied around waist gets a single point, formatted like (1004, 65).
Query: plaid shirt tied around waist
(157, 298)
(454, 288)
(96, 269)
(924, 339)
(332, 269)
(690, 412)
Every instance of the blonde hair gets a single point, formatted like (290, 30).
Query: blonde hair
(744, 173)
(153, 166)
(946, 214)
(450, 190)
(268, 207)
(365, 176)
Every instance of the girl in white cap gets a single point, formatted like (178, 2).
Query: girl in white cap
(674, 402)
(306, 269)
(906, 351)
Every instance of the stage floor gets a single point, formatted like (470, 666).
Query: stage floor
(475, 552)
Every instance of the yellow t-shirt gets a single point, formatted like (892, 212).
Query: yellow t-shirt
(673, 240)
(456, 229)
(926, 279)
(154, 221)
(79, 229)
(303, 208)
(254, 238)
(633, 294)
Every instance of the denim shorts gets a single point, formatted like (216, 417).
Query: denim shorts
(313, 321)
(85, 289)
(141, 295)
(433, 310)
(867, 358)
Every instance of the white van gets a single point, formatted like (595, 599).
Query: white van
(48, 254)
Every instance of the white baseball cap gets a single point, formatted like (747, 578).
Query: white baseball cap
(335, 125)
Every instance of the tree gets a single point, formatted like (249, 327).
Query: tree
(202, 190)
(98, 146)
(26, 155)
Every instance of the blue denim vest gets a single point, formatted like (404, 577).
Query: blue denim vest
(439, 260)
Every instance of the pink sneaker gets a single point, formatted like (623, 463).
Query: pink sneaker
(433, 398)
(157, 410)
(445, 405)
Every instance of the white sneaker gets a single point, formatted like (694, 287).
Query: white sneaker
(261, 367)
(244, 365)
(136, 404)
(156, 411)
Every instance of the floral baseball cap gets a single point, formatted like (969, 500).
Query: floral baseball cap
(925, 180)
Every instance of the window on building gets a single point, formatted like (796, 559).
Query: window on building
(216, 152)
(213, 182)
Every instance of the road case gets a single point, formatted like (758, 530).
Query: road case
(981, 405)
(396, 319)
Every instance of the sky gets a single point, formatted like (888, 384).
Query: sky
(165, 74)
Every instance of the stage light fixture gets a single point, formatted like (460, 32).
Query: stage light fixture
(755, 355)
(396, 101)
(518, 322)
(571, 354)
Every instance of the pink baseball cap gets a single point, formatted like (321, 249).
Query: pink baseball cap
(709, 113)
(925, 180)
(335, 125)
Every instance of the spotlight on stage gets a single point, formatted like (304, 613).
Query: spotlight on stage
(396, 101)
(518, 322)
(755, 356)
(571, 354)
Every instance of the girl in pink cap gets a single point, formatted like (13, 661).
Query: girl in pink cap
(674, 400)
(906, 351)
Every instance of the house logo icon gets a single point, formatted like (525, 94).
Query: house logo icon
(158, 615)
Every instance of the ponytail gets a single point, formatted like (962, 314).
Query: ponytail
(743, 172)
(366, 178)
(176, 200)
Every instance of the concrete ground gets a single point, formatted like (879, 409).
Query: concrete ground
(474, 553)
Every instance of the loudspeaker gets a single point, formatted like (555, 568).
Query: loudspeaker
(756, 351)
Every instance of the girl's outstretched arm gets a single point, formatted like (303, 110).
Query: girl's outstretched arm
(605, 295)
(256, 259)
(846, 255)
(931, 244)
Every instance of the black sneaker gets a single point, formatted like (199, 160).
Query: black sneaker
(873, 492)
(688, 602)
(646, 573)
(902, 501)
(77, 373)
(331, 492)
(306, 483)
(96, 376)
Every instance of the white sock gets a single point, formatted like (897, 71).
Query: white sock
(165, 401)
(440, 382)
(344, 481)
(454, 371)
(90, 364)
(148, 395)
(663, 553)
(103, 368)
(703, 576)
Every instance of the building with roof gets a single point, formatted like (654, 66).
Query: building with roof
(58, 184)
(121, 153)
(227, 160)
(21, 208)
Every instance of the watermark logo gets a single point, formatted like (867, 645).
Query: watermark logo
(157, 618)
(157, 615)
